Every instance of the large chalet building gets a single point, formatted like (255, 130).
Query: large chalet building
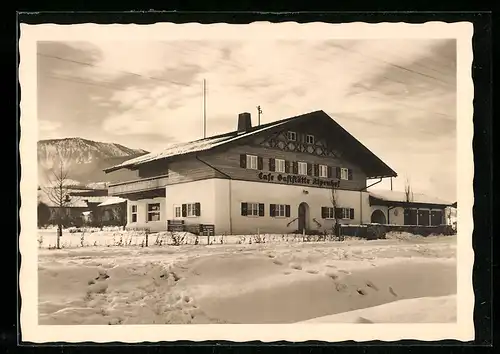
(272, 178)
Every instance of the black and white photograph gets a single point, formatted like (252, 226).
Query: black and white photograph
(217, 176)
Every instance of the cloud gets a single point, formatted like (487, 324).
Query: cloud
(47, 127)
(397, 97)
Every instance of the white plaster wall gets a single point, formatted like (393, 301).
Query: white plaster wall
(202, 192)
(394, 216)
(142, 214)
(223, 205)
(267, 193)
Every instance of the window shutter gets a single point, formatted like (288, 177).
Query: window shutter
(272, 209)
(197, 209)
(243, 161)
(287, 211)
(295, 167)
(351, 213)
(184, 210)
(244, 209)
(329, 171)
(287, 166)
(260, 163)
(349, 174)
(309, 169)
(324, 212)
(316, 169)
(261, 209)
(272, 164)
(338, 213)
(337, 172)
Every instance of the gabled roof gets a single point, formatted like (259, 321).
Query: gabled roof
(373, 166)
(400, 197)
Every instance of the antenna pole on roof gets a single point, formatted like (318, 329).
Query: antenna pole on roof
(204, 109)
(259, 111)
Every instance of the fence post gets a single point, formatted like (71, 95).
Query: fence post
(147, 237)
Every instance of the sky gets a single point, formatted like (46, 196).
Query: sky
(398, 97)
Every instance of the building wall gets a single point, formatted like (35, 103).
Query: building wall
(142, 214)
(202, 192)
(316, 198)
(228, 162)
(395, 216)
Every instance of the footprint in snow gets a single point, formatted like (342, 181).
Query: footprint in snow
(371, 285)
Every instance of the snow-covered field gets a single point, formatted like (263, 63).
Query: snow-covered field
(400, 279)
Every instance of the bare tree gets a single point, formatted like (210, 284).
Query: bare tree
(408, 191)
(58, 192)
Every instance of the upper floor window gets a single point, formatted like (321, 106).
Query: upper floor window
(323, 171)
(309, 139)
(344, 173)
(292, 136)
(302, 168)
(252, 162)
(280, 165)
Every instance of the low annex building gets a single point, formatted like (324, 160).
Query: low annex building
(272, 178)
(416, 209)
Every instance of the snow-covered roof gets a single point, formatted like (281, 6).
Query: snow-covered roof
(353, 149)
(192, 146)
(112, 201)
(94, 199)
(397, 196)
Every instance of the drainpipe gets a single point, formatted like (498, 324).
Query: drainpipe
(388, 214)
(230, 197)
(361, 199)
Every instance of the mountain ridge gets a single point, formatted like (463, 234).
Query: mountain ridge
(84, 159)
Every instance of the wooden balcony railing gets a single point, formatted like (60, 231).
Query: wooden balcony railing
(140, 185)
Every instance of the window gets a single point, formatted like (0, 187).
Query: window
(191, 210)
(154, 212)
(340, 213)
(344, 213)
(177, 211)
(344, 173)
(310, 139)
(280, 210)
(323, 171)
(328, 213)
(133, 213)
(252, 162)
(252, 209)
(292, 136)
(302, 168)
(280, 165)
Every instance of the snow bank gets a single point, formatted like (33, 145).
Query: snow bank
(441, 309)
(238, 283)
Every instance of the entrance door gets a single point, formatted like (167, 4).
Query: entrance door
(303, 217)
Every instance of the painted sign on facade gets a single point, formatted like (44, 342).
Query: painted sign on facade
(302, 180)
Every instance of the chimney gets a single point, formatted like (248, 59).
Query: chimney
(244, 122)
